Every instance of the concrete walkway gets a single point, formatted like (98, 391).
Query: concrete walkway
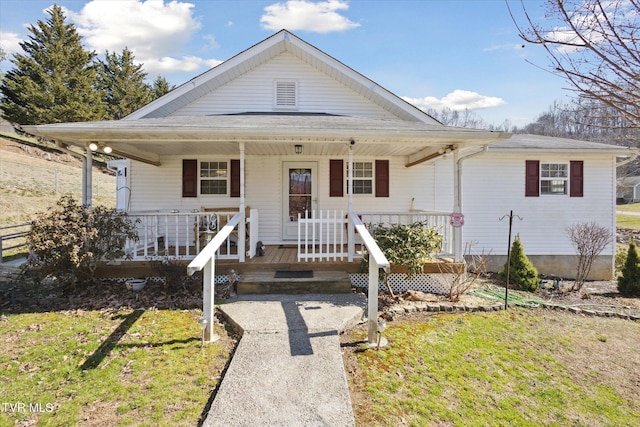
(287, 369)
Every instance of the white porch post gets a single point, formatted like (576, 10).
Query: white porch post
(208, 307)
(351, 235)
(242, 227)
(457, 206)
(87, 180)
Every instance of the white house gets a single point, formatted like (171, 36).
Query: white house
(282, 128)
(628, 189)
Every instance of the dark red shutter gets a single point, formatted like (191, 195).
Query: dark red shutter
(576, 178)
(189, 178)
(235, 178)
(532, 179)
(382, 178)
(336, 178)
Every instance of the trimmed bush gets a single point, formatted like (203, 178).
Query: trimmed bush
(629, 281)
(411, 245)
(522, 274)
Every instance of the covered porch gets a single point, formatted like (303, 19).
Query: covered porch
(274, 147)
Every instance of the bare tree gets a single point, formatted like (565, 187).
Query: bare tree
(589, 239)
(595, 46)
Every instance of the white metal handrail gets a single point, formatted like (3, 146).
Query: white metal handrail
(377, 260)
(206, 260)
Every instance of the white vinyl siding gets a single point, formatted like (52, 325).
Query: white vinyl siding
(424, 186)
(488, 196)
(254, 92)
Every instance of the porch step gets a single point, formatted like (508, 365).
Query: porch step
(321, 282)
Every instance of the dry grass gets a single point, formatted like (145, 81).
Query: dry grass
(28, 182)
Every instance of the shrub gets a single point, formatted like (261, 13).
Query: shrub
(629, 281)
(522, 274)
(621, 258)
(589, 239)
(410, 245)
(69, 242)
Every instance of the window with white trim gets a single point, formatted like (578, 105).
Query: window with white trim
(362, 177)
(286, 94)
(554, 178)
(214, 177)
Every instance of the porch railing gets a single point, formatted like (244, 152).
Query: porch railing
(206, 260)
(182, 235)
(323, 235)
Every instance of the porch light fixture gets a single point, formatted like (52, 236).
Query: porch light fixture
(298, 149)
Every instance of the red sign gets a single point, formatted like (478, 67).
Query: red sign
(457, 220)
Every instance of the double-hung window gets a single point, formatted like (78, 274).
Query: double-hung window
(362, 177)
(554, 178)
(213, 177)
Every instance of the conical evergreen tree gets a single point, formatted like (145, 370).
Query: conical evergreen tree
(122, 85)
(629, 282)
(53, 80)
(161, 87)
(522, 274)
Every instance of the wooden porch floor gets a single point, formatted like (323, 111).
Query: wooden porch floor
(276, 257)
(285, 257)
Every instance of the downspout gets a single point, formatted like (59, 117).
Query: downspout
(87, 164)
(457, 209)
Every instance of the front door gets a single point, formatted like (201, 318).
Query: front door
(300, 192)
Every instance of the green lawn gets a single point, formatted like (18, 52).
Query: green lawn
(628, 221)
(131, 367)
(515, 368)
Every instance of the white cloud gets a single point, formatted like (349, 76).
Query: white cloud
(185, 64)
(156, 32)
(457, 100)
(320, 17)
(10, 43)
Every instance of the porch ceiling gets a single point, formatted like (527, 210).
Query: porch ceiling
(266, 134)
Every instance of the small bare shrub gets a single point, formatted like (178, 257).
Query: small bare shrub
(589, 239)
(460, 280)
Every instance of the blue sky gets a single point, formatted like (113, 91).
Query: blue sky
(459, 54)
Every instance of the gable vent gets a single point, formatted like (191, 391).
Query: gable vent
(286, 95)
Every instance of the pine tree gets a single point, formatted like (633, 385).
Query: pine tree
(122, 85)
(522, 273)
(53, 80)
(161, 87)
(629, 282)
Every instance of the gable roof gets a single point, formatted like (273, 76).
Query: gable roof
(253, 57)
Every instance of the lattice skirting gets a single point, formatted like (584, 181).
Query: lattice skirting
(436, 283)
(219, 279)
